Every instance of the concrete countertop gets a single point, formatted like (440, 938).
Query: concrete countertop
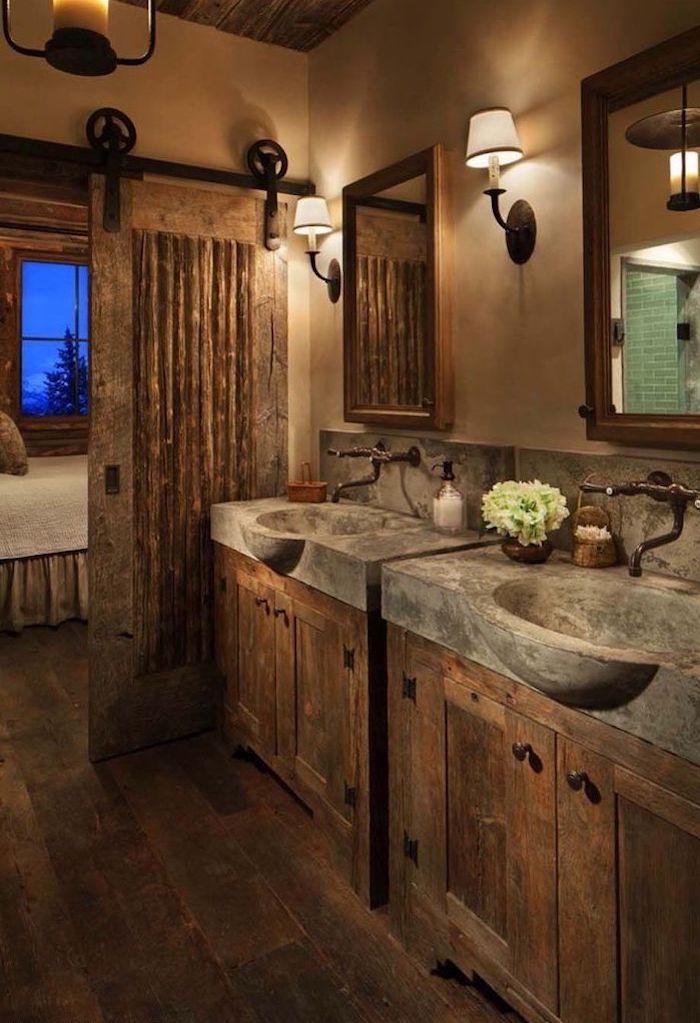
(345, 567)
(449, 599)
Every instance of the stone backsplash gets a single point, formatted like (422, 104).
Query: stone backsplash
(402, 488)
(633, 518)
(477, 466)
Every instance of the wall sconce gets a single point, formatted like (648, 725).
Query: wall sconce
(80, 44)
(494, 142)
(311, 219)
(669, 130)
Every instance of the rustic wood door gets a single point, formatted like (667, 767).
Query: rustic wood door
(188, 407)
(319, 711)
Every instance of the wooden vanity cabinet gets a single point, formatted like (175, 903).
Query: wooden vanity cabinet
(305, 690)
(553, 855)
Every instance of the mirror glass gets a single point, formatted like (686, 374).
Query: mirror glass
(391, 310)
(654, 264)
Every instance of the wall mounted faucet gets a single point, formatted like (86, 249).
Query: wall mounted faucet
(659, 486)
(378, 456)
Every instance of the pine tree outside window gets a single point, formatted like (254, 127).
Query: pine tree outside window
(54, 338)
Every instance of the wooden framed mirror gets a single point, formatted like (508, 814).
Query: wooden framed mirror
(642, 258)
(397, 343)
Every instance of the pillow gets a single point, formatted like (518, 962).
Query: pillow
(13, 453)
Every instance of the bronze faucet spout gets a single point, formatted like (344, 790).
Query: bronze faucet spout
(657, 541)
(659, 486)
(378, 456)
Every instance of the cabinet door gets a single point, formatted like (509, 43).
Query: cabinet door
(659, 903)
(254, 684)
(318, 726)
(501, 837)
(531, 916)
(477, 867)
(587, 885)
(224, 617)
(416, 797)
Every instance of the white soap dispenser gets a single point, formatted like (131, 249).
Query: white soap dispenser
(448, 504)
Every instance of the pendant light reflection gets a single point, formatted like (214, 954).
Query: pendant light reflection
(674, 130)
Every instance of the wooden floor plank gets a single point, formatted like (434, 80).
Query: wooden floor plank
(175, 885)
(233, 905)
(382, 979)
(147, 959)
(42, 969)
(291, 985)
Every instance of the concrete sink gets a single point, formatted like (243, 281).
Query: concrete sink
(331, 520)
(590, 639)
(618, 632)
(338, 549)
(609, 613)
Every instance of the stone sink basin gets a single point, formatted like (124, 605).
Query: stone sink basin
(622, 631)
(590, 639)
(278, 538)
(331, 520)
(338, 549)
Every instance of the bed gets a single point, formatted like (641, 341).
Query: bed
(43, 543)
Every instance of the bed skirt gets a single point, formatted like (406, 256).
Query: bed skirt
(45, 590)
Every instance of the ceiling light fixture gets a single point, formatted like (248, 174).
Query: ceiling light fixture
(80, 42)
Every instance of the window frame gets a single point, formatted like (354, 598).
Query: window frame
(26, 422)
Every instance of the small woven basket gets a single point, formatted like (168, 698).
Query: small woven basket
(306, 490)
(592, 553)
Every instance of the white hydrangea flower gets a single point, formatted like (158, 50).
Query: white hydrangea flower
(525, 511)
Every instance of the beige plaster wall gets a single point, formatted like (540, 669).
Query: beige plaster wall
(203, 98)
(405, 74)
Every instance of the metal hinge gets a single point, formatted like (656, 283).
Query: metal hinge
(349, 658)
(408, 687)
(410, 848)
(350, 796)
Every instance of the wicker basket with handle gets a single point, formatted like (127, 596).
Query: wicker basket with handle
(592, 553)
(306, 490)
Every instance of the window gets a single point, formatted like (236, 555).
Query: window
(54, 338)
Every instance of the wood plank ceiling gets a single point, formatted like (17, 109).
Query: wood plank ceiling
(296, 24)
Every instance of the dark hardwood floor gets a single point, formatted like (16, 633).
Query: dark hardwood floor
(176, 885)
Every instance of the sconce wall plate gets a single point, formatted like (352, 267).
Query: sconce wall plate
(520, 226)
(521, 234)
(333, 280)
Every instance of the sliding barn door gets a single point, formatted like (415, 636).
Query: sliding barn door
(188, 408)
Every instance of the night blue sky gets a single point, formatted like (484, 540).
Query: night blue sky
(54, 297)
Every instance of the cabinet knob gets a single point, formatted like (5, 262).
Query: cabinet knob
(521, 750)
(263, 602)
(280, 612)
(577, 780)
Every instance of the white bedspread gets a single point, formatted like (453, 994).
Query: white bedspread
(44, 512)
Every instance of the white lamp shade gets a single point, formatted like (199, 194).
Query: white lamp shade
(493, 133)
(312, 216)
